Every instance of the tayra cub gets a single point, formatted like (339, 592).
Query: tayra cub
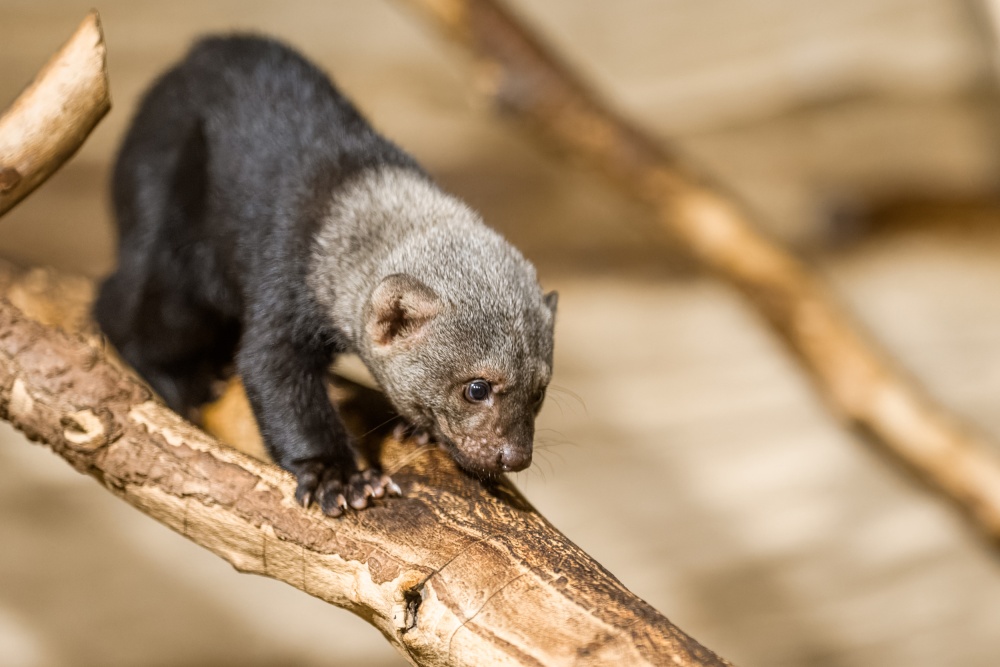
(263, 221)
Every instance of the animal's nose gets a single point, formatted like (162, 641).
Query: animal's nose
(512, 458)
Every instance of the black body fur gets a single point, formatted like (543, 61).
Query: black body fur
(219, 190)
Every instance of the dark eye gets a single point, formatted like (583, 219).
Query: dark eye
(477, 391)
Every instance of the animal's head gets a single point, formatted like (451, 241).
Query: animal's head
(474, 373)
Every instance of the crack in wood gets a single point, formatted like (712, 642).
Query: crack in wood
(263, 553)
(481, 607)
(412, 598)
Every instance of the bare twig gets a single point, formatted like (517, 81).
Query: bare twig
(859, 382)
(49, 121)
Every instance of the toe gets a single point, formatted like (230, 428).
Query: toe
(331, 498)
(371, 479)
(305, 491)
(391, 488)
(356, 496)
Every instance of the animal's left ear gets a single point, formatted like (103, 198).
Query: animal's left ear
(552, 300)
(398, 310)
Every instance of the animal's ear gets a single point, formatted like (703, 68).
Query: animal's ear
(398, 309)
(552, 300)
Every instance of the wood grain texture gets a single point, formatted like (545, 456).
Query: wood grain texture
(454, 573)
(859, 381)
(49, 121)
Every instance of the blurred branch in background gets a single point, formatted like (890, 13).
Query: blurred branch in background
(457, 572)
(859, 381)
(992, 14)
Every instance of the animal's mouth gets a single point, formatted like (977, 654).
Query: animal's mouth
(485, 464)
(479, 457)
(453, 449)
(464, 462)
(479, 472)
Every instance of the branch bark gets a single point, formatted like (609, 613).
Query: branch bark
(862, 386)
(49, 121)
(454, 573)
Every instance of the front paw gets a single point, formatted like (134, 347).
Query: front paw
(334, 496)
(335, 492)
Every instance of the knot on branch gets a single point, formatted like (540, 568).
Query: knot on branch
(86, 430)
(411, 594)
(9, 178)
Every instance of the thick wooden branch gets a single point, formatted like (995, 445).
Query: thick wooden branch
(862, 386)
(453, 573)
(49, 121)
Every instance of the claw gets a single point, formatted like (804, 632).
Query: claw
(303, 496)
(331, 509)
(323, 485)
(309, 482)
(356, 496)
(390, 486)
(327, 498)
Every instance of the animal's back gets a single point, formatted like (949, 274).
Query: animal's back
(254, 128)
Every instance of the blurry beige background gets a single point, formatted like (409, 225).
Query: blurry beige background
(687, 453)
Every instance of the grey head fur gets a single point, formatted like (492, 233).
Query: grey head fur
(432, 299)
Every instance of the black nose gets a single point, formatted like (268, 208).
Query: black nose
(512, 458)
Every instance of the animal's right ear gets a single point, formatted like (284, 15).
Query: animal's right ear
(552, 301)
(397, 311)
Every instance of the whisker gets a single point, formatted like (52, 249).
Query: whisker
(555, 398)
(375, 428)
(572, 394)
(548, 442)
(554, 452)
(523, 477)
(562, 459)
(409, 457)
(543, 460)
